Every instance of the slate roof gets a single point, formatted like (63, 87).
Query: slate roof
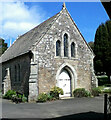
(23, 44)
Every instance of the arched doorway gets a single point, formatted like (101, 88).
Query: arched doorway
(66, 71)
(64, 82)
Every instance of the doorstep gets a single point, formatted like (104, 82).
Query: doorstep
(63, 98)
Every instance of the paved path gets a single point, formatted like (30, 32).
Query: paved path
(76, 108)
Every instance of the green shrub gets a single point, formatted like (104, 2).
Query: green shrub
(49, 97)
(101, 88)
(14, 98)
(96, 91)
(88, 93)
(9, 94)
(81, 92)
(12, 95)
(19, 98)
(24, 99)
(55, 92)
(42, 97)
(107, 91)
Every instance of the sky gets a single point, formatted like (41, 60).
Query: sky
(19, 17)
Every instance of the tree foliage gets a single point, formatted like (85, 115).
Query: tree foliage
(3, 46)
(102, 49)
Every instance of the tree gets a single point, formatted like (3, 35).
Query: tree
(3, 46)
(102, 49)
(108, 51)
(98, 64)
(91, 44)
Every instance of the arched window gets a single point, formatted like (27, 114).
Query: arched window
(58, 48)
(15, 73)
(18, 72)
(72, 49)
(66, 45)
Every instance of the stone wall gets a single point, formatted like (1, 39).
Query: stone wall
(22, 85)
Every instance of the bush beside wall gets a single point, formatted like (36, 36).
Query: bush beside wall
(96, 91)
(81, 92)
(12, 95)
(52, 95)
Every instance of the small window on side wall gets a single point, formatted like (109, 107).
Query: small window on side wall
(58, 48)
(18, 72)
(15, 73)
(73, 49)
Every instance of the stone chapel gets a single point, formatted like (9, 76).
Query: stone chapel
(52, 54)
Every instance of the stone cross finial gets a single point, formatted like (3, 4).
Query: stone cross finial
(64, 6)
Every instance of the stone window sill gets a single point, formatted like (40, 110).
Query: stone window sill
(71, 58)
(58, 57)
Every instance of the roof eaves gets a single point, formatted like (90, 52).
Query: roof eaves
(14, 57)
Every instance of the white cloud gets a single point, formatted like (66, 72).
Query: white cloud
(17, 18)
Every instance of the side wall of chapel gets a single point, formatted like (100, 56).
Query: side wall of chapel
(15, 74)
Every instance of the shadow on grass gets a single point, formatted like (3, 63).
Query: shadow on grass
(81, 116)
